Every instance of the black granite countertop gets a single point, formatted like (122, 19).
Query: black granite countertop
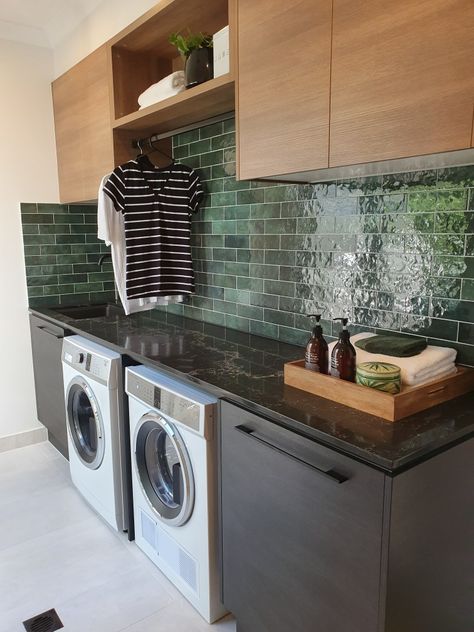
(248, 370)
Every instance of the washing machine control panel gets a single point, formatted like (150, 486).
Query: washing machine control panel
(88, 363)
(180, 409)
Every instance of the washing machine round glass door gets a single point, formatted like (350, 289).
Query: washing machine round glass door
(164, 469)
(85, 424)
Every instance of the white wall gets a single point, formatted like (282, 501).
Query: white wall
(110, 17)
(28, 173)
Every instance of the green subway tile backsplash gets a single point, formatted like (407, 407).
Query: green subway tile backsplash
(393, 252)
(63, 268)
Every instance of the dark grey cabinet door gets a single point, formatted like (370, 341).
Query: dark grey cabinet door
(46, 342)
(301, 531)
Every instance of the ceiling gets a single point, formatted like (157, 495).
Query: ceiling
(42, 22)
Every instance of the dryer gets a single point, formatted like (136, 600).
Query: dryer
(95, 427)
(174, 480)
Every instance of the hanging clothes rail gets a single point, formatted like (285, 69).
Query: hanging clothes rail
(141, 142)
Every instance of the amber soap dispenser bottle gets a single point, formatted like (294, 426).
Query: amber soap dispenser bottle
(343, 356)
(316, 356)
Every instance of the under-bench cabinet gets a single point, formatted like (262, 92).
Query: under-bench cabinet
(316, 541)
(47, 342)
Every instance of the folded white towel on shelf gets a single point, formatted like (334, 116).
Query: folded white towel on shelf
(163, 89)
(432, 363)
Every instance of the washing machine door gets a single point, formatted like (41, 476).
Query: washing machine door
(84, 422)
(164, 470)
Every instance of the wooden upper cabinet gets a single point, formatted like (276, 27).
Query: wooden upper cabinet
(82, 115)
(402, 79)
(284, 50)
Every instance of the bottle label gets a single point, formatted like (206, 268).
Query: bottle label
(311, 362)
(335, 367)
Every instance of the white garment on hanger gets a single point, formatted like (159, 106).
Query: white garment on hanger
(110, 228)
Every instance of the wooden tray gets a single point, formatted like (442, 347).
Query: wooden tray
(411, 400)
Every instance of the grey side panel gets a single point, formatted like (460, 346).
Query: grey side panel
(46, 341)
(431, 554)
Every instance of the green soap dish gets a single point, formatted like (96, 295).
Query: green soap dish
(379, 375)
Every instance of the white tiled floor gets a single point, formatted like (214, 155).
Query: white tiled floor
(55, 552)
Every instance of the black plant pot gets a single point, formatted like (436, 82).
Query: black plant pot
(199, 66)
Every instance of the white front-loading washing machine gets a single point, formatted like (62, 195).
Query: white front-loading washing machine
(95, 427)
(174, 479)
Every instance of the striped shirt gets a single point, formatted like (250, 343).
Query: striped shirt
(157, 205)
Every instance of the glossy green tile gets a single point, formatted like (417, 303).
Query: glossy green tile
(53, 208)
(264, 211)
(200, 147)
(280, 226)
(224, 280)
(215, 129)
(229, 125)
(237, 296)
(252, 284)
(187, 137)
(231, 184)
(216, 318)
(452, 200)
(468, 290)
(211, 158)
(238, 269)
(280, 257)
(181, 152)
(250, 311)
(453, 177)
(279, 318)
(223, 140)
(452, 309)
(432, 327)
(74, 218)
(453, 222)
(250, 196)
(250, 227)
(466, 333)
(227, 198)
(224, 254)
(54, 229)
(268, 330)
(264, 271)
(281, 288)
(30, 229)
(28, 207)
(237, 212)
(225, 307)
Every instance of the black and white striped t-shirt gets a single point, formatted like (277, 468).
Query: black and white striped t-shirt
(156, 204)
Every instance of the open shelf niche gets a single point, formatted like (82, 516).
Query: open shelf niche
(141, 55)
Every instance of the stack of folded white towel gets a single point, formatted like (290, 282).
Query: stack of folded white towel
(434, 363)
(167, 87)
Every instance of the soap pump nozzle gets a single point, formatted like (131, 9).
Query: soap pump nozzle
(317, 328)
(316, 356)
(343, 356)
(344, 335)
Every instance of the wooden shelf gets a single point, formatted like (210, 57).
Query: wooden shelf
(196, 104)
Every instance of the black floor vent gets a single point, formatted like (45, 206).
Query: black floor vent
(45, 622)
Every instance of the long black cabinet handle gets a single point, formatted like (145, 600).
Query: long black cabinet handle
(49, 332)
(331, 475)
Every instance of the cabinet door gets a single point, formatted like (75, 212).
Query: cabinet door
(301, 549)
(46, 342)
(284, 49)
(83, 127)
(402, 79)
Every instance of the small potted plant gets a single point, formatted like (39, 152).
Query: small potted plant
(197, 52)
